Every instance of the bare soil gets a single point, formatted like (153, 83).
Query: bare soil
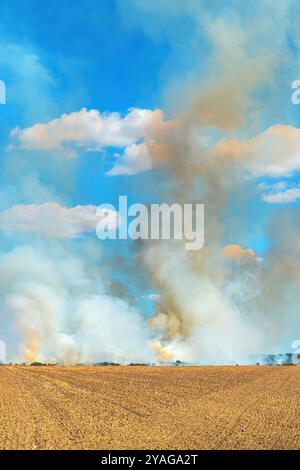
(149, 407)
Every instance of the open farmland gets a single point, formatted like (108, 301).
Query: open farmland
(149, 407)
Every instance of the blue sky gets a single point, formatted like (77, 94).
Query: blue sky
(84, 56)
(93, 59)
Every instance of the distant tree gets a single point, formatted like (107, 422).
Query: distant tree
(137, 364)
(105, 363)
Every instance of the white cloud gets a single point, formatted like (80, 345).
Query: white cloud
(282, 197)
(275, 152)
(53, 220)
(238, 253)
(90, 130)
(135, 159)
(279, 186)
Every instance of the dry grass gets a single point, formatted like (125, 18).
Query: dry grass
(149, 407)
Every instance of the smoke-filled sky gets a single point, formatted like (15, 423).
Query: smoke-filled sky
(162, 101)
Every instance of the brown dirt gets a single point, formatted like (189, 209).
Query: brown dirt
(149, 407)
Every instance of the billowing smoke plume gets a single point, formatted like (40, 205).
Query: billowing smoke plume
(222, 304)
(64, 310)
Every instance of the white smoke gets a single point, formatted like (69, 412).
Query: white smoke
(62, 312)
(218, 305)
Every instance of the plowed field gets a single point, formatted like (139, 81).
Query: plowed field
(149, 407)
